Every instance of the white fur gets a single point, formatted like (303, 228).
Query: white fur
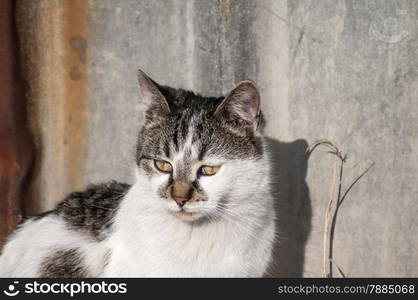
(30, 245)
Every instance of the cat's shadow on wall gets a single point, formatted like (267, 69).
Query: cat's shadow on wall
(293, 207)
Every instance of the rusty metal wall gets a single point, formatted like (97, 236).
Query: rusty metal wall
(342, 70)
(16, 149)
(53, 37)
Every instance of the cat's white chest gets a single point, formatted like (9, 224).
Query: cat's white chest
(167, 265)
(196, 255)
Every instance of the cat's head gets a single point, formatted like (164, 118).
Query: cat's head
(200, 156)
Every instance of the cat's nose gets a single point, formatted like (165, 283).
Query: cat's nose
(181, 192)
(180, 200)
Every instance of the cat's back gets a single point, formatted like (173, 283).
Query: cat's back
(91, 211)
(67, 241)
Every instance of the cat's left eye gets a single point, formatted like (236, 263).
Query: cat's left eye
(163, 166)
(209, 170)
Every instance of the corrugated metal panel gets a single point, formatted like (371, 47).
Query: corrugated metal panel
(54, 48)
(16, 151)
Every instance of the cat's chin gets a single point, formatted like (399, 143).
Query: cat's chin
(188, 216)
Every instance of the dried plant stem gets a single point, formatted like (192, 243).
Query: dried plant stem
(336, 185)
(337, 198)
(325, 271)
(339, 269)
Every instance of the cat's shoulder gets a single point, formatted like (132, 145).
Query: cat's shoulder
(92, 209)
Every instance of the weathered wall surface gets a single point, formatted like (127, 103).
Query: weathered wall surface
(16, 148)
(53, 37)
(341, 70)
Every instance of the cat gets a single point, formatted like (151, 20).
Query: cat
(201, 204)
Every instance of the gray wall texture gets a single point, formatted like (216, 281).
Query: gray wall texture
(342, 70)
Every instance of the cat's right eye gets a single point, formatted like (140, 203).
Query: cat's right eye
(209, 170)
(163, 166)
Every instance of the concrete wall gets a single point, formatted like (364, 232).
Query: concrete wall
(341, 70)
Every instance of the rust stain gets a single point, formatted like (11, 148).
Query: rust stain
(9, 166)
(75, 31)
(55, 52)
(79, 45)
(75, 73)
(225, 10)
(16, 151)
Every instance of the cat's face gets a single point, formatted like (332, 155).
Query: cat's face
(196, 151)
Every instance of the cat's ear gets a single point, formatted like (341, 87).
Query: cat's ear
(155, 104)
(241, 107)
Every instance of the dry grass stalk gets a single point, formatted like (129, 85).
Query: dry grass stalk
(330, 214)
(339, 269)
(325, 272)
(336, 185)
